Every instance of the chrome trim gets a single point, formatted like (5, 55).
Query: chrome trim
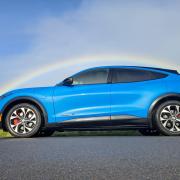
(103, 118)
(124, 117)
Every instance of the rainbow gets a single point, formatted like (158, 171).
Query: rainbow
(65, 63)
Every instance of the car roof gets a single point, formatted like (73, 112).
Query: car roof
(157, 69)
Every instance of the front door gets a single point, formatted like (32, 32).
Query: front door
(88, 98)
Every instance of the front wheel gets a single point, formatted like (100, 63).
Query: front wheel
(168, 118)
(23, 120)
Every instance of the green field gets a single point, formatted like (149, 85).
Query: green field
(86, 133)
(4, 134)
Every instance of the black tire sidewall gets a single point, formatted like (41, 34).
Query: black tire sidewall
(36, 128)
(159, 125)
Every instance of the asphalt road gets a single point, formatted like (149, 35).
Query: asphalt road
(90, 158)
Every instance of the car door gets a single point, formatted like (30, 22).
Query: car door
(88, 98)
(133, 91)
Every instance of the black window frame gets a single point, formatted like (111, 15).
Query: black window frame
(108, 77)
(112, 73)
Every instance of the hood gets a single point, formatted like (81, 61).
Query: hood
(28, 90)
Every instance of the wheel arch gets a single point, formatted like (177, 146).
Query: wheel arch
(24, 99)
(159, 101)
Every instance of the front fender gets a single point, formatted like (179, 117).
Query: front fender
(45, 102)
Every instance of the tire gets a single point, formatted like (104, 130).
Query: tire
(46, 133)
(23, 120)
(167, 118)
(149, 132)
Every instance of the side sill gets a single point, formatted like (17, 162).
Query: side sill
(114, 124)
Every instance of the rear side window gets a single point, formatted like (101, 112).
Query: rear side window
(134, 75)
(95, 76)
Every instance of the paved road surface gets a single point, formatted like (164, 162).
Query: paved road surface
(90, 158)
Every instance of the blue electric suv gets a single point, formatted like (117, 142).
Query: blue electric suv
(101, 98)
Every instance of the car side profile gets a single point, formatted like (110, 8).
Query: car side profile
(101, 98)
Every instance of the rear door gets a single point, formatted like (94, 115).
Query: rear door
(133, 91)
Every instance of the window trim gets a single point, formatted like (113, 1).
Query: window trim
(113, 73)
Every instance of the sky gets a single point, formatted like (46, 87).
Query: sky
(44, 41)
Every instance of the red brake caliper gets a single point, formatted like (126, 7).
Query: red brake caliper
(178, 116)
(16, 121)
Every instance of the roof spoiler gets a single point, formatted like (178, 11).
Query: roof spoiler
(166, 70)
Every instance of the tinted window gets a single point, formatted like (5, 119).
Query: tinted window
(134, 75)
(96, 76)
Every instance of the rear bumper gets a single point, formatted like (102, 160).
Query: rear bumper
(0, 120)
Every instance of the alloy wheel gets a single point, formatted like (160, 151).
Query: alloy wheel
(23, 120)
(170, 118)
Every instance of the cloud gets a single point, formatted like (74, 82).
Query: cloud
(144, 28)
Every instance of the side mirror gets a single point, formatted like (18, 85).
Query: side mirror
(68, 82)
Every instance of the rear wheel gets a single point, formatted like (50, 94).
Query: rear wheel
(168, 118)
(149, 132)
(23, 120)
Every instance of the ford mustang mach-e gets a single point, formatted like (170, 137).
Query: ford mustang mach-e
(101, 98)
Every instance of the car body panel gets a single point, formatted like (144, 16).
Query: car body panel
(173, 84)
(135, 98)
(42, 95)
(81, 101)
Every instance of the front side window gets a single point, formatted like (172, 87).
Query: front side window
(134, 75)
(96, 76)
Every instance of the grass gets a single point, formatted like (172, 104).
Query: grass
(4, 134)
(86, 133)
